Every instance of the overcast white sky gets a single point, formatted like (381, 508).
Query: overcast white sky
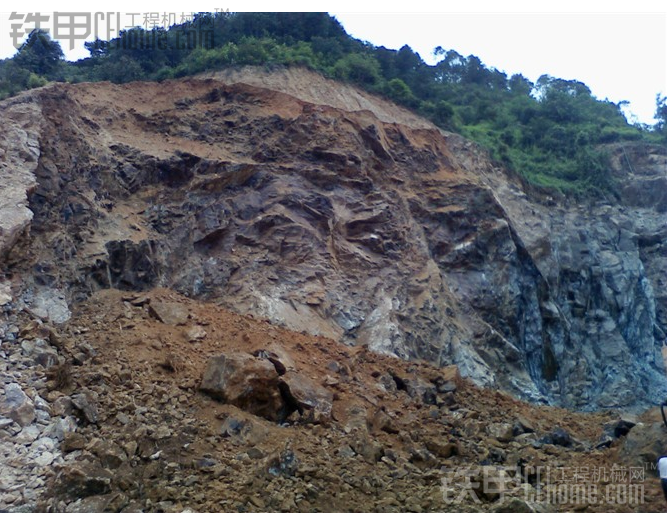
(619, 52)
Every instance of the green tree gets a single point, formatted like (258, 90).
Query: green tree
(41, 55)
(14, 79)
(122, 70)
(520, 85)
(441, 113)
(400, 92)
(360, 68)
(97, 48)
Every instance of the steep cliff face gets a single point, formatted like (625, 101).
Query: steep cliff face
(334, 212)
(602, 327)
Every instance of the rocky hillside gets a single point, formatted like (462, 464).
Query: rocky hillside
(155, 402)
(134, 219)
(327, 210)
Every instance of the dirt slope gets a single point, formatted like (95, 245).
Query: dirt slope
(311, 87)
(166, 446)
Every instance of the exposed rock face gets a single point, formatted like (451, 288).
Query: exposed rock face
(19, 156)
(301, 207)
(604, 266)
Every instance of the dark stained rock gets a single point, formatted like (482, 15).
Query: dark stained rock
(73, 442)
(382, 421)
(280, 359)
(442, 448)
(85, 406)
(558, 437)
(83, 479)
(284, 464)
(130, 265)
(522, 425)
(416, 387)
(620, 427)
(109, 453)
(97, 503)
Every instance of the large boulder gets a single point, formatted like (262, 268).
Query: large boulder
(168, 312)
(280, 358)
(83, 479)
(310, 399)
(644, 444)
(249, 383)
(17, 405)
(85, 406)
